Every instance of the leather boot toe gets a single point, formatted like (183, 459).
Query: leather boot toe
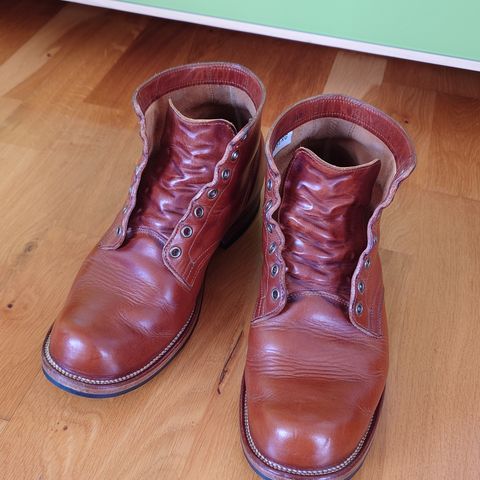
(309, 406)
(119, 315)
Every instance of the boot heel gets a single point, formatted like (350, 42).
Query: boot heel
(242, 224)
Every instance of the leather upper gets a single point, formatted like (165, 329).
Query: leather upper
(312, 383)
(322, 206)
(318, 349)
(374, 121)
(137, 290)
(167, 187)
(124, 308)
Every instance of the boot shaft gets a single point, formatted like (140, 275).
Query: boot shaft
(184, 161)
(201, 166)
(333, 164)
(323, 216)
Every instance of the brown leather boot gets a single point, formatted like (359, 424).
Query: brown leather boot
(318, 350)
(137, 296)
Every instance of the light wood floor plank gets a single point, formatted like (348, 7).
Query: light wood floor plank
(454, 81)
(355, 74)
(28, 17)
(35, 53)
(68, 143)
(453, 158)
(3, 425)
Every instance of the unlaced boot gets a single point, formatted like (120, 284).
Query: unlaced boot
(318, 347)
(137, 296)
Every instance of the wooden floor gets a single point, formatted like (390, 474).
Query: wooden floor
(68, 143)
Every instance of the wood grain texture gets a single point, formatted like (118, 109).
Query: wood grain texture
(433, 77)
(68, 143)
(367, 70)
(3, 424)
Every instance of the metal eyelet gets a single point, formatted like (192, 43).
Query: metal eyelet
(119, 230)
(175, 252)
(272, 247)
(361, 286)
(275, 294)
(269, 227)
(235, 155)
(186, 231)
(226, 174)
(274, 270)
(137, 170)
(212, 193)
(359, 309)
(367, 263)
(198, 212)
(268, 205)
(375, 240)
(124, 210)
(269, 184)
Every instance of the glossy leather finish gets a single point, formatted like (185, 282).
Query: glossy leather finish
(318, 348)
(138, 292)
(323, 206)
(192, 155)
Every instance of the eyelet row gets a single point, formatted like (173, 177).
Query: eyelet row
(361, 284)
(275, 268)
(359, 305)
(361, 288)
(199, 211)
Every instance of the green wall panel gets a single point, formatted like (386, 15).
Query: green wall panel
(443, 27)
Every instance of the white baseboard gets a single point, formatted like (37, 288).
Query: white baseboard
(287, 34)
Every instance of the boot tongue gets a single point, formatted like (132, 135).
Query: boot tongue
(185, 161)
(324, 215)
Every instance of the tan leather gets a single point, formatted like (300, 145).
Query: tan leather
(198, 181)
(318, 348)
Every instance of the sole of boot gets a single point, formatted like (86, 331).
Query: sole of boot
(90, 390)
(263, 477)
(266, 472)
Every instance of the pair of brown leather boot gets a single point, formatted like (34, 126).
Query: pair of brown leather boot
(318, 350)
